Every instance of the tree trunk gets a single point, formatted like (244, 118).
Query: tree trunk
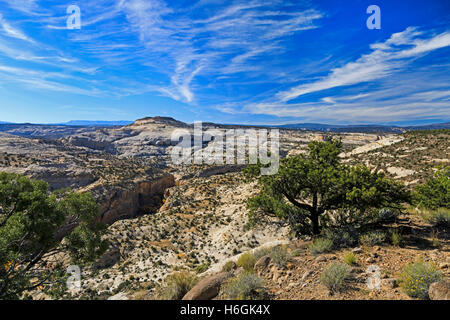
(315, 222)
(315, 215)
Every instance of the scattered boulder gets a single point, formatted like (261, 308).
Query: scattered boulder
(208, 287)
(439, 290)
(321, 259)
(357, 250)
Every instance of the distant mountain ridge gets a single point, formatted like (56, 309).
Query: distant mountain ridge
(75, 125)
(96, 123)
(362, 128)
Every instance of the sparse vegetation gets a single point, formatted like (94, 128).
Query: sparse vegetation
(280, 255)
(417, 277)
(350, 258)
(204, 219)
(372, 238)
(396, 238)
(229, 266)
(176, 285)
(321, 245)
(387, 215)
(342, 237)
(202, 268)
(246, 261)
(334, 276)
(438, 218)
(246, 286)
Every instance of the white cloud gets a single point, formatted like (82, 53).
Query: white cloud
(385, 59)
(220, 44)
(10, 31)
(27, 6)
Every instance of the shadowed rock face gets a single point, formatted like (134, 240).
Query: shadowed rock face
(146, 197)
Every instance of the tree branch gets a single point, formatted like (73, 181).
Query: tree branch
(296, 203)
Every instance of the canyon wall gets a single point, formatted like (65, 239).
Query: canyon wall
(146, 197)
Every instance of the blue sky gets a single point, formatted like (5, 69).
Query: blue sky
(253, 61)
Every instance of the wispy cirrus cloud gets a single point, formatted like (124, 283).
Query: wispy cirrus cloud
(214, 45)
(386, 58)
(377, 87)
(250, 58)
(13, 32)
(178, 43)
(27, 6)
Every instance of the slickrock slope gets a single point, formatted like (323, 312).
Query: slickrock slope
(148, 137)
(57, 165)
(413, 157)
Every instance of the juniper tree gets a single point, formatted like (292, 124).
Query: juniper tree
(33, 223)
(435, 193)
(309, 188)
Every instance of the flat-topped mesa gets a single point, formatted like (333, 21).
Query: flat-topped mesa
(159, 120)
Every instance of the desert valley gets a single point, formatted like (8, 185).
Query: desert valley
(193, 220)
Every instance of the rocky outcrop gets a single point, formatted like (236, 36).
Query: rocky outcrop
(87, 142)
(61, 176)
(262, 264)
(124, 203)
(440, 290)
(216, 170)
(208, 288)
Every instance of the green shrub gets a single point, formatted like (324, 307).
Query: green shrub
(280, 255)
(350, 258)
(176, 285)
(387, 215)
(230, 265)
(439, 217)
(372, 238)
(202, 268)
(396, 238)
(246, 286)
(343, 237)
(417, 277)
(247, 261)
(321, 245)
(262, 252)
(435, 193)
(334, 276)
